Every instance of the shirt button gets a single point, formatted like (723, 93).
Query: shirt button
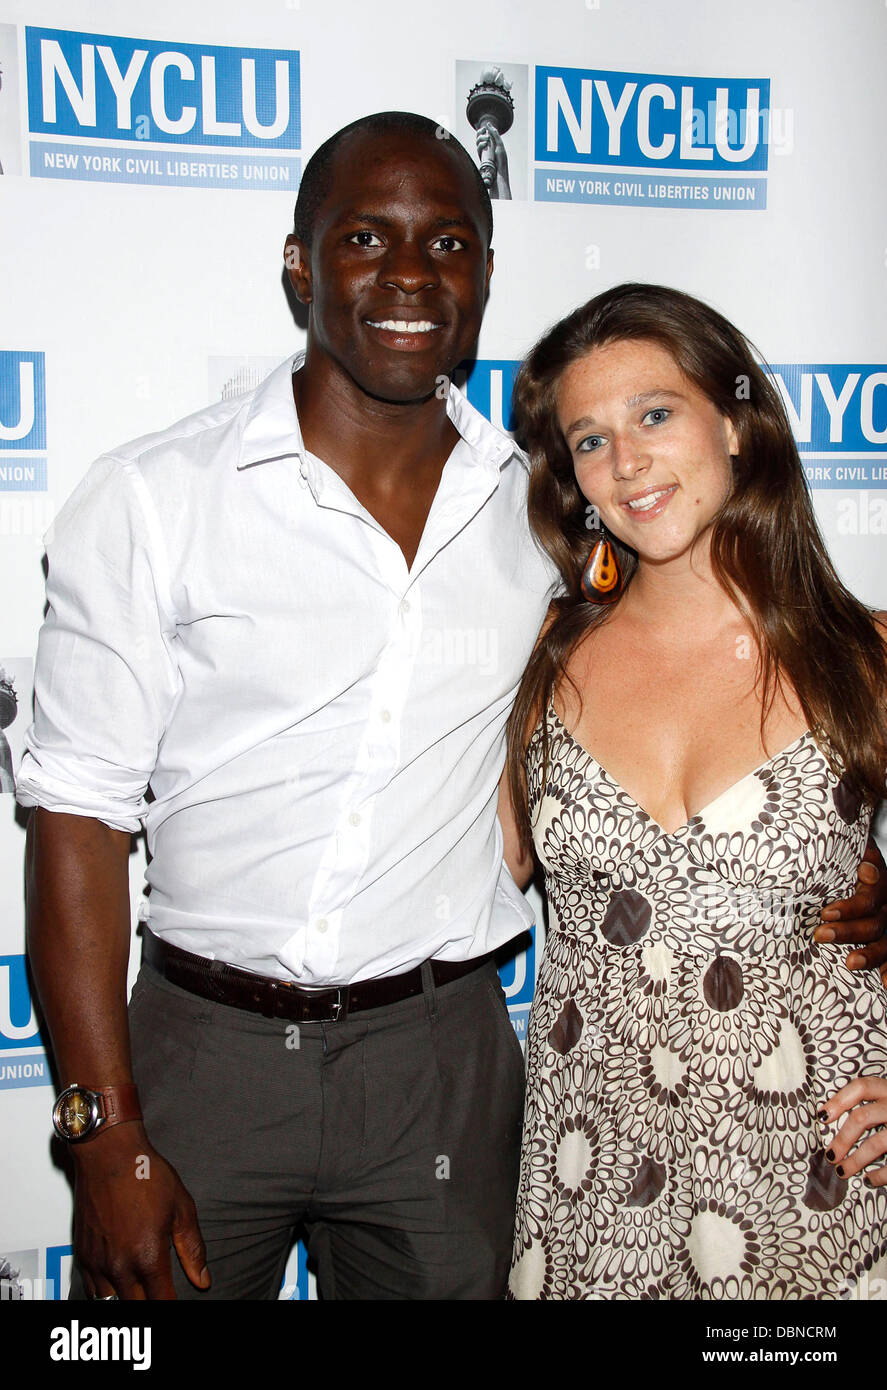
(385, 716)
(354, 818)
(404, 605)
(322, 924)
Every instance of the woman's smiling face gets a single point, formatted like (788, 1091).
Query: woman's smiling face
(650, 451)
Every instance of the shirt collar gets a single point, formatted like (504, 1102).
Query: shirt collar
(492, 446)
(271, 425)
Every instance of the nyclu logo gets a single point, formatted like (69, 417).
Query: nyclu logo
(111, 88)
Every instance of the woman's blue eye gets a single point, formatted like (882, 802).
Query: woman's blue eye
(589, 444)
(658, 414)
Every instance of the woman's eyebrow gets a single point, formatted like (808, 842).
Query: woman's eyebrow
(644, 396)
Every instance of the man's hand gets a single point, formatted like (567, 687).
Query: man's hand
(862, 918)
(129, 1205)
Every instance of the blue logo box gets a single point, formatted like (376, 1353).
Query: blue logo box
(102, 86)
(651, 121)
(18, 1021)
(22, 401)
(835, 407)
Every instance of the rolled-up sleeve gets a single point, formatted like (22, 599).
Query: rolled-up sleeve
(105, 678)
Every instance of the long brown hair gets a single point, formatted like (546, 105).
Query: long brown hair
(766, 549)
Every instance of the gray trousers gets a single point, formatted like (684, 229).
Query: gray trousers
(391, 1139)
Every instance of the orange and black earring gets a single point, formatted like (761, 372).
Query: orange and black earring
(602, 578)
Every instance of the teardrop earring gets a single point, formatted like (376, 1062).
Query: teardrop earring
(602, 578)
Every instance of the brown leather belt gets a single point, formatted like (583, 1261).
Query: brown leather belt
(261, 994)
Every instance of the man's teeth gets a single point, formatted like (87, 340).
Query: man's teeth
(643, 504)
(404, 325)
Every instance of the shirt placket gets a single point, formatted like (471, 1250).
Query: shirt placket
(346, 854)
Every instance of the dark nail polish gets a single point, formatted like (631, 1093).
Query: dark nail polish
(823, 1115)
(840, 1171)
(830, 1153)
(868, 1182)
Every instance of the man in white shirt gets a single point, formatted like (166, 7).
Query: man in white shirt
(302, 617)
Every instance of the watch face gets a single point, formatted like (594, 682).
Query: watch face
(75, 1114)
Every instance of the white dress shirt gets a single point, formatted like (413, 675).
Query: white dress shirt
(322, 727)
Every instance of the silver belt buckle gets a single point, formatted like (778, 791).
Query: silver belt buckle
(337, 1006)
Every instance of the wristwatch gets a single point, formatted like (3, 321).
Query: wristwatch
(79, 1113)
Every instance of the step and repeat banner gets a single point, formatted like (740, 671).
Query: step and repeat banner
(149, 161)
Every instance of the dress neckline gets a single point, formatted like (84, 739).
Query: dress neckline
(678, 830)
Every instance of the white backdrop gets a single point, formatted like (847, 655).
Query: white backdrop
(133, 293)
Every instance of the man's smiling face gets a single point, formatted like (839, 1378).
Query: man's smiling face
(397, 270)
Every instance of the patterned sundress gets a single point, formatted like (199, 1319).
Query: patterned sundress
(684, 1033)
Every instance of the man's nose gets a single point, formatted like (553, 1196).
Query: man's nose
(408, 267)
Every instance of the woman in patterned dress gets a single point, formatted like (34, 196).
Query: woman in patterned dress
(697, 763)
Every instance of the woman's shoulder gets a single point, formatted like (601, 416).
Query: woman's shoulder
(562, 701)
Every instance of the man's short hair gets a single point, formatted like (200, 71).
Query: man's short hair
(317, 175)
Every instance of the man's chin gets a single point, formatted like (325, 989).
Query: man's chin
(387, 397)
(407, 390)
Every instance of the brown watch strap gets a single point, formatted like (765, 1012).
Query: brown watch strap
(119, 1103)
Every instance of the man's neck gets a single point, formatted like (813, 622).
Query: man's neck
(390, 454)
(372, 444)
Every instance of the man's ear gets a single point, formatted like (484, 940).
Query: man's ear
(298, 268)
(489, 274)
